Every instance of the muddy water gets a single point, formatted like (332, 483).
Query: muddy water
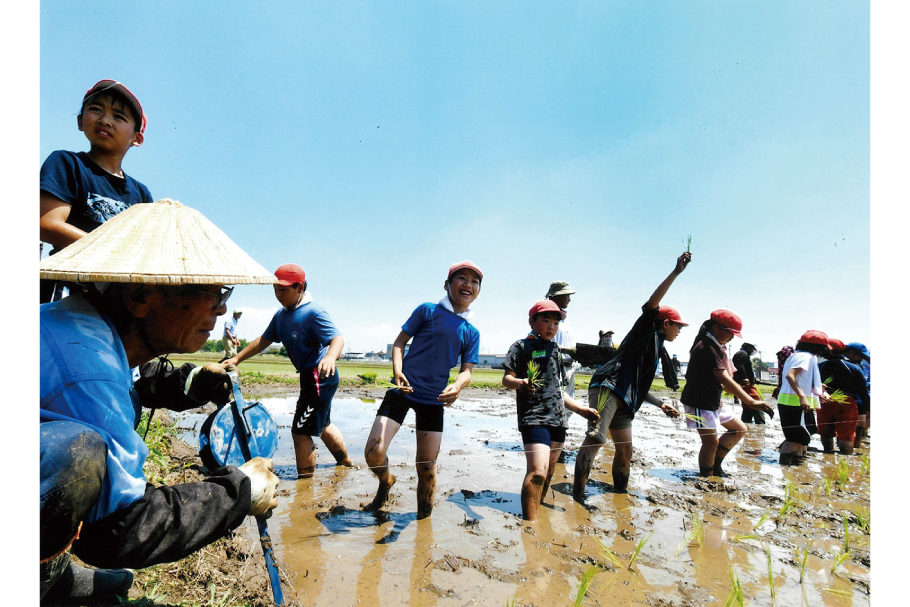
(476, 550)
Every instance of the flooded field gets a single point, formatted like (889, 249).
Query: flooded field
(674, 539)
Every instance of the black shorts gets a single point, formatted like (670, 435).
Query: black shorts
(792, 421)
(428, 418)
(314, 405)
(542, 435)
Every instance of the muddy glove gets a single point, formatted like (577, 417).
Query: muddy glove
(263, 485)
(210, 383)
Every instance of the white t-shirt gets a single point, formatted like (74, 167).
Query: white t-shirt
(810, 381)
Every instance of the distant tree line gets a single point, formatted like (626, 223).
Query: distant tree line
(214, 345)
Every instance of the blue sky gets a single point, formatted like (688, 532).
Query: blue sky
(376, 143)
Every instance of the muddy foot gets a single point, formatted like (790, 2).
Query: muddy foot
(347, 463)
(382, 495)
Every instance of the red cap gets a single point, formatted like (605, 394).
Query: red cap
(289, 274)
(814, 337)
(107, 85)
(462, 265)
(546, 305)
(671, 314)
(836, 345)
(728, 320)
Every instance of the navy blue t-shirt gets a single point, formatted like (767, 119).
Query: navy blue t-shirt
(94, 194)
(545, 407)
(306, 332)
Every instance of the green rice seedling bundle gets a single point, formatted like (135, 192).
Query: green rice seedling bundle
(736, 590)
(585, 584)
(839, 397)
(687, 242)
(602, 396)
(696, 534)
(695, 418)
(534, 375)
(842, 472)
(638, 547)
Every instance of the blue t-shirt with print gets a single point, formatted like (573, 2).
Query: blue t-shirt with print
(305, 331)
(94, 194)
(440, 338)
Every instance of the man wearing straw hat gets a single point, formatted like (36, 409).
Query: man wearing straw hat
(153, 283)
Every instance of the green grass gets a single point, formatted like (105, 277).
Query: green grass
(158, 440)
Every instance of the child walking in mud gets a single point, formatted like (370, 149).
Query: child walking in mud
(533, 367)
(442, 335)
(621, 385)
(801, 393)
(838, 418)
(709, 373)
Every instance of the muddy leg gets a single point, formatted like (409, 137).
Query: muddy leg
(708, 451)
(583, 464)
(334, 442)
(381, 434)
(428, 444)
(555, 454)
(305, 453)
(622, 460)
(736, 430)
(532, 488)
(828, 444)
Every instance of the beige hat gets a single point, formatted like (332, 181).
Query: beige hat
(559, 288)
(162, 242)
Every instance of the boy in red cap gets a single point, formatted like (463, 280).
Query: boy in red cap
(313, 344)
(622, 384)
(541, 401)
(80, 191)
(442, 336)
(709, 373)
(801, 393)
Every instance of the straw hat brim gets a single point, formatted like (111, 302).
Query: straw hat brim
(163, 242)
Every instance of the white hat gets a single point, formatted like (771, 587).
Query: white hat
(163, 242)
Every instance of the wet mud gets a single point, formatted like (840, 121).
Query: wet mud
(673, 539)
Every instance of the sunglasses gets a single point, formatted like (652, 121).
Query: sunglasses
(221, 297)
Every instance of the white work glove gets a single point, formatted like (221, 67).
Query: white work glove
(263, 486)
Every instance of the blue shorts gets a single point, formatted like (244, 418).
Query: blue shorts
(314, 405)
(395, 405)
(542, 435)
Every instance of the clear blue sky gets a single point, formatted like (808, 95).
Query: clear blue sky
(376, 143)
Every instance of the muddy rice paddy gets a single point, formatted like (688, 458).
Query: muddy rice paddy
(476, 550)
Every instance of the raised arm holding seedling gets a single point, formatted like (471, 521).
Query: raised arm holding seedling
(621, 385)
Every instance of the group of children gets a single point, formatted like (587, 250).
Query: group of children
(79, 191)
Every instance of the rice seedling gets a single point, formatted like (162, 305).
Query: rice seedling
(602, 396)
(638, 547)
(846, 534)
(736, 590)
(763, 518)
(695, 534)
(791, 499)
(744, 536)
(842, 472)
(864, 465)
(512, 602)
(863, 519)
(839, 559)
(687, 241)
(534, 375)
(585, 584)
(770, 575)
(695, 418)
(839, 397)
(802, 562)
(828, 381)
(826, 486)
(608, 554)
(838, 591)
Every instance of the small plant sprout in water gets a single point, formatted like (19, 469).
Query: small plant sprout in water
(736, 590)
(534, 375)
(827, 485)
(770, 575)
(803, 559)
(839, 559)
(638, 547)
(864, 465)
(791, 499)
(608, 554)
(585, 584)
(846, 534)
(841, 471)
(695, 534)
(863, 519)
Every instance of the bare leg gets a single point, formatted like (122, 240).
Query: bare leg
(708, 450)
(334, 442)
(428, 444)
(381, 434)
(736, 430)
(555, 452)
(583, 464)
(532, 491)
(305, 453)
(622, 460)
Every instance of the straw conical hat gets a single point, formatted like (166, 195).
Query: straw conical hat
(163, 242)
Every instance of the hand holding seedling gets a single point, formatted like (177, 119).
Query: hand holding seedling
(669, 410)
(402, 382)
(682, 261)
(588, 413)
(524, 384)
(760, 405)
